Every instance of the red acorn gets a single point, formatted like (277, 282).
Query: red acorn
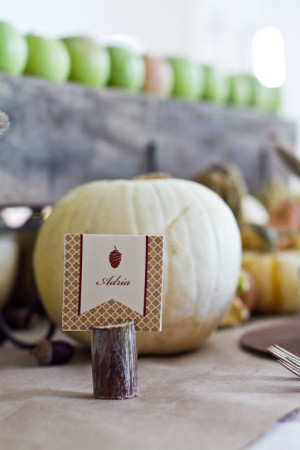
(115, 258)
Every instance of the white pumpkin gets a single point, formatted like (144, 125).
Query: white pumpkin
(202, 252)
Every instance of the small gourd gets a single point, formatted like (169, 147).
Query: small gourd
(276, 277)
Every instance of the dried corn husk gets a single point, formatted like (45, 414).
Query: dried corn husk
(273, 194)
(228, 183)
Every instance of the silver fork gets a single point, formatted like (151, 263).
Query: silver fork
(286, 359)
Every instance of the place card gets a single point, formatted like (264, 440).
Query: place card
(112, 279)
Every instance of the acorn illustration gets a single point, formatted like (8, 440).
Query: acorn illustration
(115, 258)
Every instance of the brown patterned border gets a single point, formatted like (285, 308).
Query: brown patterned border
(111, 312)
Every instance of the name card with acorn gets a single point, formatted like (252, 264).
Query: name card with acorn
(113, 286)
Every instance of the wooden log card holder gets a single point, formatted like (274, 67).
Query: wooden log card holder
(113, 286)
(114, 360)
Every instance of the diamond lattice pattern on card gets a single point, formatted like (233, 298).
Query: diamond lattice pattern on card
(111, 312)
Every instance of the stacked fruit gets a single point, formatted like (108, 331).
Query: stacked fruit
(83, 60)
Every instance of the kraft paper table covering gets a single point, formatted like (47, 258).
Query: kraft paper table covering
(216, 397)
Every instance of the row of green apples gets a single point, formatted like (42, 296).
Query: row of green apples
(84, 60)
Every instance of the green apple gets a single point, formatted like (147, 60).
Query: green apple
(254, 86)
(222, 90)
(216, 84)
(187, 80)
(90, 63)
(13, 50)
(47, 58)
(241, 91)
(210, 82)
(127, 69)
(269, 99)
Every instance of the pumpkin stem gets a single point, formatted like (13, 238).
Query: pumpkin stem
(152, 176)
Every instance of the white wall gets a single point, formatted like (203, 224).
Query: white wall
(159, 24)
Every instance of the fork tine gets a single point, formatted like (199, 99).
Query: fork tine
(279, 350)
(276, 352)
(292, 364)
(284, 354)
(291, 369)
(288, 354)
(272, 349)
(286, 359)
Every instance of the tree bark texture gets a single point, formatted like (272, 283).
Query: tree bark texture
(114, 360)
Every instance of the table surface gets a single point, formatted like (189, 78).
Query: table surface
(218, 397)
